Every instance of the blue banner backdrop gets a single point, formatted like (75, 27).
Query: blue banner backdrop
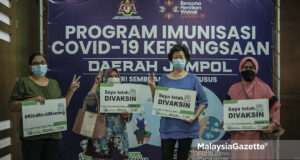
(135, 37)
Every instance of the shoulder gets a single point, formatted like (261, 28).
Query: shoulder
(192, 76)
(163, 78)
(234, 87)
(53, 81)
(268, 91)
(193, 79)
(23, 81)
(263, 84)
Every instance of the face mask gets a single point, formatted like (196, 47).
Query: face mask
(39, 70)
(248, 75)
(140, 114)
(179, 64)
(113, 80)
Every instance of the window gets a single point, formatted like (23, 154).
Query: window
(5, 3)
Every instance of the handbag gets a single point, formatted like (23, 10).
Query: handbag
(266, 136)
(90, 124)
(272, 136)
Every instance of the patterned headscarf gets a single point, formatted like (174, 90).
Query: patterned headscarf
(106, 75)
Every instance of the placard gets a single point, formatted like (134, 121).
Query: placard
(246, 114)
(174, 103)
(40, 119)
(118, 98)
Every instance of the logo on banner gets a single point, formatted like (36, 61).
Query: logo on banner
(186, 9)
(191, 9)
(210, 128)
(126, 10)
(168, 9)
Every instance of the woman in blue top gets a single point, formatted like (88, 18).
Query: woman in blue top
(173, 130)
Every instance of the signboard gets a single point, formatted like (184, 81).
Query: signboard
(135, 37)
(246, 114)
(174, 103)
(118, 98)
(40, 119)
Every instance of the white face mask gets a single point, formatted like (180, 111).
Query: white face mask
(113, 80)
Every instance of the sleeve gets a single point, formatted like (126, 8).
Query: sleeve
(275, 114)
(275, 111)
(200, 97)
(161, 82)
(17, 92)
(91, 99)
(274, 106)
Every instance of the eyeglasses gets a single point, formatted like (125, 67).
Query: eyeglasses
(38, 63)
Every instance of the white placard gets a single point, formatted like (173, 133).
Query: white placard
(118, 98)
(252, 114)
(40, 119)
(174, 103)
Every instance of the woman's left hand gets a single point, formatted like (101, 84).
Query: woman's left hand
(75, 84)
(125, 115)
(268, 129)
(189, 120)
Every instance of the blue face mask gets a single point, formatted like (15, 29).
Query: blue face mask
(39, 70)
(140, 114)
(179, 64)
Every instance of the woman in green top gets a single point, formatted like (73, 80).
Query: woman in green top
(37, 87)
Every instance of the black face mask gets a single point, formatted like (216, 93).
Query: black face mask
(248, 75)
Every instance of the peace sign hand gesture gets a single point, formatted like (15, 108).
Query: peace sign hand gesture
(75, 84)
(98, 78)
(151, 80)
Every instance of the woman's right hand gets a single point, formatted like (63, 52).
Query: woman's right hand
(151, 80)
(39, 99)
(98, 78)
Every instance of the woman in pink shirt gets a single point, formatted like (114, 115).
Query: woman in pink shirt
(254, 89)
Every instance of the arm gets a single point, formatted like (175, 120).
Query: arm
(200, 109)
(98, 80)
(17, 97)
(17, 105)
(275, 118)
(92, 97)
(275, 113)
(201, 101)
(151, 83)
(75, 84)
(68, 98)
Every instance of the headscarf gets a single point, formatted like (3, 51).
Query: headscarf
(255, 89)
(253, 60)
(106, 75)
(108, 72)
